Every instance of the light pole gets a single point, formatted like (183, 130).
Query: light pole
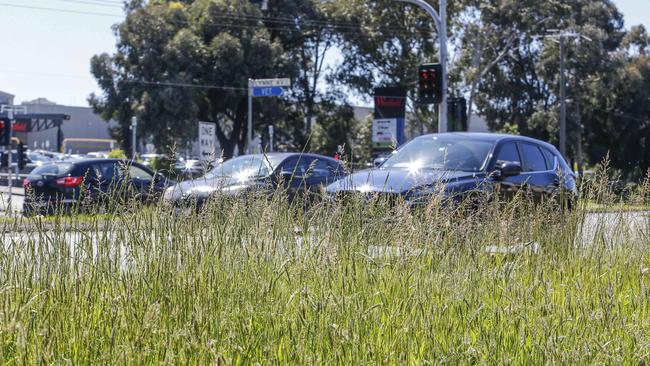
(562, 99)
(249, 125)
(134, 128)
(441, 25)
(561, 37)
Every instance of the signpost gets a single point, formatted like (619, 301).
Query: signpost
(262, 88)
(207, 140)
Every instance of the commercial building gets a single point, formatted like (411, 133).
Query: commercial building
(90, 130)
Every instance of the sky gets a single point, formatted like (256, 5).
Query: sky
(47, 53)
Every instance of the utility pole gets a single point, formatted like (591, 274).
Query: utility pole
(561, 37)
(134, 128)
(440, 22)
(249, 130)
(562, 98)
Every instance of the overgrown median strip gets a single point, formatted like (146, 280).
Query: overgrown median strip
(256, 280)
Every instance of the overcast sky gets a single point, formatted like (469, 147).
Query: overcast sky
(50, 50)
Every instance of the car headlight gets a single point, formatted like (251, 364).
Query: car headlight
(201, 190)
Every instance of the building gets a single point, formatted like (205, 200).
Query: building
(83, 124)
(6, 98)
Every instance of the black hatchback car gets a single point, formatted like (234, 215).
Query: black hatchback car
(61, 185)
(295, 172)
(459, 163)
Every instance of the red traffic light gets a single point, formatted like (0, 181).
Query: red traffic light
(430, 83)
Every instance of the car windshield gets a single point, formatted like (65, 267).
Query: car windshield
(245, 167)
(441, 153)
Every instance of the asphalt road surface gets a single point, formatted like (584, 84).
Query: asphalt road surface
(16, 200)
(613, 228)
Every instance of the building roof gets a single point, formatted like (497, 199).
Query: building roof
(6, 94)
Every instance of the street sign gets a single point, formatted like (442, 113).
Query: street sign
(384, 133)
(271, 82)
(273, 91)
(207, 140)
(262, 88)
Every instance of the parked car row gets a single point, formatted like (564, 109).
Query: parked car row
(453, 165)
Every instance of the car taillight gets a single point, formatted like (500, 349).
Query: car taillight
(69, 181)
(26, 182)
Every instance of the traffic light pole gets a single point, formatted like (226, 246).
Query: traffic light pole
(441, 25)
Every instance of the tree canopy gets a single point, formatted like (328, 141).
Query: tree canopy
(178, 62)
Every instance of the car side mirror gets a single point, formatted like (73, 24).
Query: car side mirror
(377, 162)
(508, 169)
(159, 177)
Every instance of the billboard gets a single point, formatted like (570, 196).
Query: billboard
(390, 113)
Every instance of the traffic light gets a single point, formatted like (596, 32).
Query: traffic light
(21, 155)
(4, 132)
(430, 83)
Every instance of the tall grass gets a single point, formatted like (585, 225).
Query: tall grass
(252, 280)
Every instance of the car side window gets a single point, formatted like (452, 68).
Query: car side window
(533, 158)
(318, 168)
(136, 172)
(551, 162)
(107, 171)
(509, 152)
(296, 165)
(85, 171)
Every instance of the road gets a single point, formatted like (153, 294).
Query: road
(16, 200)
(614, 228)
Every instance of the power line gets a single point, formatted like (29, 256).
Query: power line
(186, 85)
(60, 10)
(93, 3)
(134, 81)
(289, 25)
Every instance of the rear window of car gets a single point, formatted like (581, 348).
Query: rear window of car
(533, 158)
(50, 169)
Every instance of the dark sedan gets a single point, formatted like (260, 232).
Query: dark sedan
(62, 185)
(455, 164)
(295, 172)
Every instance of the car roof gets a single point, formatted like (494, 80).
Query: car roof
(285, 155)
(94, 160)
(493, 137)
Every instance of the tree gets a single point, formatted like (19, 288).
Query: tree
(520, 86)
(180, 62)
(382, 43)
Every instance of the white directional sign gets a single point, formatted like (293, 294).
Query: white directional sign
(271, 82)
(207, 140)
(384, 132)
